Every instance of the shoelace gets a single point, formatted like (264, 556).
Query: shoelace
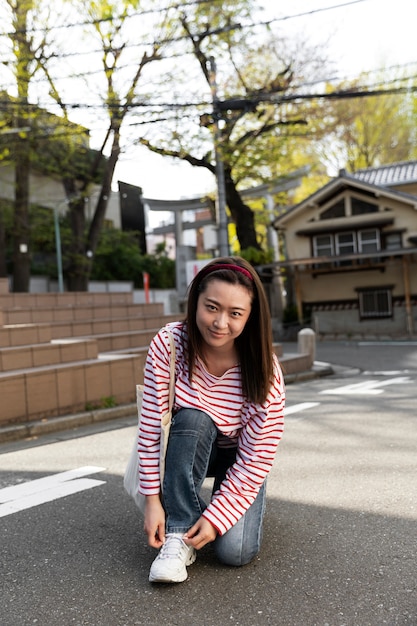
(172, 548)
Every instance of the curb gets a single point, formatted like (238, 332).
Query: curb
(29, 430)
(317, 371)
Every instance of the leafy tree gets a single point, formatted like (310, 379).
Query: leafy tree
(32, 138)
(253, 122)
(109, 22)
(25, 52)
(367, 131)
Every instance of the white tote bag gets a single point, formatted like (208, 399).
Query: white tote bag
(131, 476)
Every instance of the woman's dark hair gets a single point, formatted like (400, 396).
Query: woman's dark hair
(254, 344)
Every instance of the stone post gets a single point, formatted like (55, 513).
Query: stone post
(307, 343)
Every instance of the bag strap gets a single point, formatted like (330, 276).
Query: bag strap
(171, 372)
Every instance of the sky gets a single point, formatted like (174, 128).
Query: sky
(364, 35)
(361, 36)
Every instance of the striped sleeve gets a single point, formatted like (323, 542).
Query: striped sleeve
(154, 405)
(257, 445)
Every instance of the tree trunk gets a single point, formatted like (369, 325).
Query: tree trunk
(103, 200)
(84, 245)
(77, 269)
(241, 214)
(21, 229)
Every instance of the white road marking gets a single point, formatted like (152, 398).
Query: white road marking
(36, 492)
(385, 373)
(368, 387)
(300, 407)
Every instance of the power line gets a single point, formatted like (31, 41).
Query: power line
(360, 92)
(387, 85)
(313, 11)
(99, 71)
(180, 6)
(324, 79)
(340, 95)
(104, 20)
(228, 28)
(236, 103)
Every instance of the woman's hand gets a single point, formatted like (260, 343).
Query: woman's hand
(201, 533)
(154, 524)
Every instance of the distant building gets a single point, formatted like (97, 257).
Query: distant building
(351, 253)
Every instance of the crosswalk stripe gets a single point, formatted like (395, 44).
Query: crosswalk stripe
(296, 408)
(35, 492)
(54, 493)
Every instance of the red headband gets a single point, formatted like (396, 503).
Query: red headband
(208, 269)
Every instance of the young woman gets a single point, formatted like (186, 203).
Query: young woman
(227, 422)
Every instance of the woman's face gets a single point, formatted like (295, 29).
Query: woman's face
(222, 312)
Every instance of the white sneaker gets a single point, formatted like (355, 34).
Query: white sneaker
(170, 566)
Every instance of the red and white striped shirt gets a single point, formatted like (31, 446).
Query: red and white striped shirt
(255, 429)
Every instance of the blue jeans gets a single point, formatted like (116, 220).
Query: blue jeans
(192, 455)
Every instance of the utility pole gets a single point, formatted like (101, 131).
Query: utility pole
(223, 239)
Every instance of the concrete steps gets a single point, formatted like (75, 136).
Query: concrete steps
(53, 390)
(93, 327)
(24, 335)
(52, 353)
(68, 353)
(61, 300)
(74, 312)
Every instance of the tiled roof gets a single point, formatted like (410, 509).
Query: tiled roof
(389, 175)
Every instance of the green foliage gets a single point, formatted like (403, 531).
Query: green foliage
(56, 146)
(6, 211)
(161, 269)
(369, 131)
(42, 239)
(6, 243)
(107, 402)
(118, 257)
(257, 257)
(42, 245)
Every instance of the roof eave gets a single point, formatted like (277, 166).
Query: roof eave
(332, 186)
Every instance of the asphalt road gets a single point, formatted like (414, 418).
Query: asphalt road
(340, 535)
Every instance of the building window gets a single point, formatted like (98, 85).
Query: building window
(375, 303)
(337, 210)
(360, 207)
(368, 241)
(363, 241)
(393, 241)
(345, 243)
(323, 245)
